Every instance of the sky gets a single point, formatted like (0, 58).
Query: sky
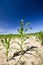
(12, 11)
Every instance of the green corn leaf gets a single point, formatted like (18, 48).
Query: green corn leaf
(9, 40)
(27, 24)
(22, 63)
(3, 42)
(28, 29)
(7, 45)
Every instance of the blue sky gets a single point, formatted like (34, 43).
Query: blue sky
(12, 11)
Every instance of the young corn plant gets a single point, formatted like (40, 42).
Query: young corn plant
(40, 36)
(6, 44)
(22, 62)
(22, 32)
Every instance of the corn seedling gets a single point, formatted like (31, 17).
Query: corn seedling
(22, 32)
(22, 63)
(40, 36)
(6, 44)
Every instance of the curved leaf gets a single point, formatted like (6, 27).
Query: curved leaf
(27, 24)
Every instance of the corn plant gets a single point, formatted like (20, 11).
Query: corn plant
(6, 44)
(21, 32)
(40, 36)
(22, 63)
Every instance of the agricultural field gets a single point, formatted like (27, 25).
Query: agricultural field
(21, 32)
(21, 48)
(28, 53)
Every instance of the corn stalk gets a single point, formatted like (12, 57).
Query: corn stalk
(22, 31)
(6, 44)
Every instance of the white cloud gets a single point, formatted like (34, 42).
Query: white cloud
(8, 31)
(1, 30)
(13, 31)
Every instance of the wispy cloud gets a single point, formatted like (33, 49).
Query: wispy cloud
(1, 30)
(11, 31)
(8, 31)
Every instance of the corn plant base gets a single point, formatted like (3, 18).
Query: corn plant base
(18, 53)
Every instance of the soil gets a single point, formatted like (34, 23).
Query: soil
(32, 57)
